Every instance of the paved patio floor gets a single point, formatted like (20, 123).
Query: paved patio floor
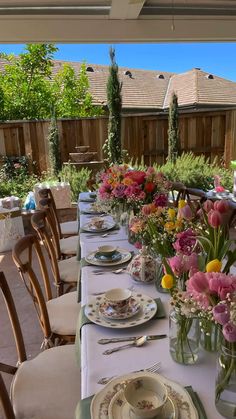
(31, 330)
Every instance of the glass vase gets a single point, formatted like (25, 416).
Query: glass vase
(225, 390)
(159, 275)
(210, 335)
(184, 335)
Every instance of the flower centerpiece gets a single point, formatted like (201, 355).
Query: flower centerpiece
(215, 296)
(127, 188)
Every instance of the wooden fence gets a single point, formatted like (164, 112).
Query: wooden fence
(209, 133)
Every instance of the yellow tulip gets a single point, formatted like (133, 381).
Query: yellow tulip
(182, 203)
(171, 213)
(167, 281)
(214, 266)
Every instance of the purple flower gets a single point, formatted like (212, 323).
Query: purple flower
(119, 191)
(185, 242)
(221, 313)
(229, 332)
(161, 200)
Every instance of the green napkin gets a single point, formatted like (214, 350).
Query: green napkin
(83, 407)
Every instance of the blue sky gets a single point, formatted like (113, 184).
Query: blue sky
(216, 58)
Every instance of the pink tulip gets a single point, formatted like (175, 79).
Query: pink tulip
(214, 218)
(221, 206)
(221, 314)
(198, 283)
(185, 212)
(229, 332)
(208, 205)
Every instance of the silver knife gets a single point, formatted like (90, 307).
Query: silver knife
(129, 339)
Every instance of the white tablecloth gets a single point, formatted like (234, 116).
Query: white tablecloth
(94, 365)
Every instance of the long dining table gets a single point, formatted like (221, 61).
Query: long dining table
(95, 365)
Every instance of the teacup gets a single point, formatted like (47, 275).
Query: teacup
(118, 298)
(97, 222)
(107, 250)
(146, 396)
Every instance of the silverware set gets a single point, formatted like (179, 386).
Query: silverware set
(153, 368)
(103, 271)
(137, 343)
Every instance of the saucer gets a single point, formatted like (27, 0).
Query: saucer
(132, 308)
(113, 258)
(120, 409)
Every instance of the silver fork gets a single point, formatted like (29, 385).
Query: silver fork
(153, 368)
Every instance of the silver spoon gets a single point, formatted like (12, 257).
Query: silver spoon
(137, 343)
(116, 271)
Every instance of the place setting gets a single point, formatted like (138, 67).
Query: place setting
(108, 255)
(121, 308)
(98, 225)
(141, 395)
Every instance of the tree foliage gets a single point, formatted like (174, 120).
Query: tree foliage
(54, 147)
(173, 130)
(28, 89)
(112, 146)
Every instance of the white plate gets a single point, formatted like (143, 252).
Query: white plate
(125, 257)
(147, 310)
(100, 403)
(108, 312)
(119, 409)
(107, 225)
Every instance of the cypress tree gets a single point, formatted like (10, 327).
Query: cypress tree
(54, 146)
(112, 146)
(173, 130)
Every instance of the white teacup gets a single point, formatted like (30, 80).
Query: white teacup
(146, 396)
(118, 298)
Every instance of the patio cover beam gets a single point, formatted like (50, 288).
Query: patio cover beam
(21, 29)
(126, 9)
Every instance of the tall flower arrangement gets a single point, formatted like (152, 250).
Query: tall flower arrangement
(133, 188)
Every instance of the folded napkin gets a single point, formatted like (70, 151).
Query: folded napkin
(87, 199)
(83, 407)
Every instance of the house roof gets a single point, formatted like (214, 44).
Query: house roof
(152, 89)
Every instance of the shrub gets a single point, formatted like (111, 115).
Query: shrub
(196, 172)
(77, 178)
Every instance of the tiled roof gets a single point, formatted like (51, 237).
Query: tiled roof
(145, 89)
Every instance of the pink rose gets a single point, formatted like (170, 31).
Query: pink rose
(208, 205)
(221, 284)
(214, 218)
(229, 332)
(221, 206)
(221, 313)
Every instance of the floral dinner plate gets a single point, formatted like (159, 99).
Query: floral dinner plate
(107, 311)
(102, 405)
(107, 225)
(120, 409)
(92, 259)
(147, 310)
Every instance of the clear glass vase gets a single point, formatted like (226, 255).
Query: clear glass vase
(225, 390)
(159, 275)
(210, 335)
(184, 335)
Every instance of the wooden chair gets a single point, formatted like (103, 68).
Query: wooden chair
(68, 228)
(66, 272)
(46, 387)
(57, 316)
(64, 246)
